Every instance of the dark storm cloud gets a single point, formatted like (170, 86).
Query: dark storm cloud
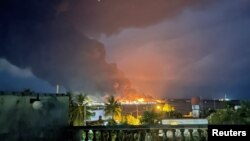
(34, 36)
(203, 52)
(50, 37)
(204, 44)
(216, 51)
(21, 78)
(111, 16)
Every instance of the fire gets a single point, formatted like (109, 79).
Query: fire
(140, 100)
(137, 98)
(129, 95)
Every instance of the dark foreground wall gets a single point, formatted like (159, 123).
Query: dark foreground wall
(29, 116)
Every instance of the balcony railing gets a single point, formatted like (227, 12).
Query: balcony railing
(138, 133)
(111, 133)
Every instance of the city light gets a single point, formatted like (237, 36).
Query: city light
(158, 107)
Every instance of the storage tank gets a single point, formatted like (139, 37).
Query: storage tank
(195, 101)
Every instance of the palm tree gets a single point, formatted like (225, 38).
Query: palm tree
(78, 110)
(150, 117)
(112, 107)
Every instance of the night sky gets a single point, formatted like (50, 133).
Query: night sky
(164, 48)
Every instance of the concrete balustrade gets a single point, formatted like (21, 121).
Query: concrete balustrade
(140, 133)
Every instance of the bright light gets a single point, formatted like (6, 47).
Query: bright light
(141, 100)
(158, 107)
(159, 101)
(174, 123)
(37, 105)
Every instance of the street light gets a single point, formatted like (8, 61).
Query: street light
(158, 107)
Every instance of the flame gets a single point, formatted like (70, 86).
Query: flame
(129, 95)
(141, 100)
(136, 98)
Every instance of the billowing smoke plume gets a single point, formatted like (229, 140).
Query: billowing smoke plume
(65, 58)
(54, 50)
(51, 37)
(111, 16)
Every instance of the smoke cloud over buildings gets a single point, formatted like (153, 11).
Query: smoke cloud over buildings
(52, 38)
(155, 45)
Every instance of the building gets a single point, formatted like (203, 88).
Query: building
(29, 114)
(185, 106)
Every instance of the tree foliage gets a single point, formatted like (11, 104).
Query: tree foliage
(173, 114)
(112, 107)
(77, 107)
(230, 115)
(150, 117)
(167, 108)
(129, 119)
